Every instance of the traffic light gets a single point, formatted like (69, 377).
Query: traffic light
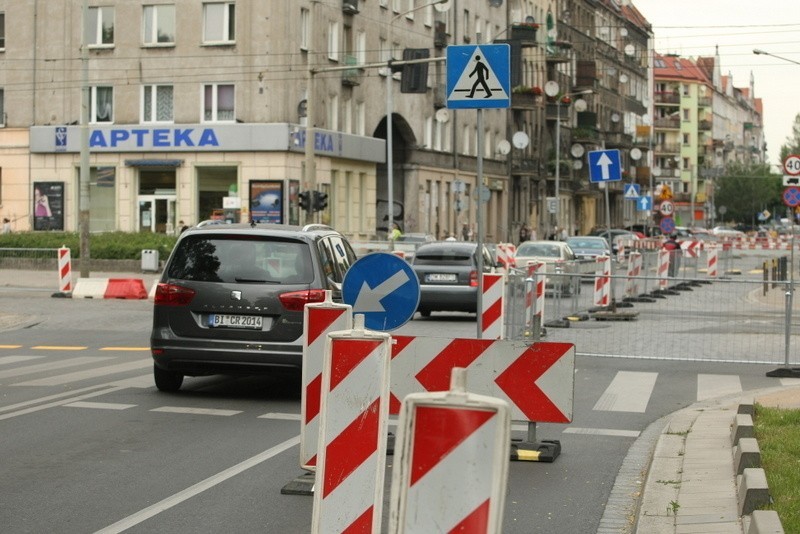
(320, 200)
(305, 200)
(415, 76)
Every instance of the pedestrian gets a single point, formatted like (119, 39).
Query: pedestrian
(182, 227)
(395, 234)
(465, 232)
(671, 244)
(6, 225)
(524, 233)
(563, 235)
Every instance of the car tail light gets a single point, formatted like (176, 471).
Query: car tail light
(473, 279)
(173, 295)
(296, 300)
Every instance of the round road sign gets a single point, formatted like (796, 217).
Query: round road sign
(791, 165)
(667, 225)
(791, 196)
(667, 208)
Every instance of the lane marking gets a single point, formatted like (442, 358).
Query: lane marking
(196, 411)
(710, 386)
(281, 416)
(602, 432)
(15, 359)
(57, 347)
(140, 382)
(173, 500)
(10, 346)
(77, 376)
(33, 409)
(60, 364)
(129, 349)
(628, 392)
(100, 405)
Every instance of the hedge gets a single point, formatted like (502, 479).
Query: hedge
(102, 246)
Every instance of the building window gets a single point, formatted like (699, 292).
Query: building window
(305, 20)
(686, 139)
(361, 48)
(219, 22)
(361, 119)
(685, 114)
(333, 40)
(157, 103)
(218, 103)
(2, 107)
(159, 25)
(396, 6)
(409, 10)
(102, 109)
(100, 26)
(2, 31)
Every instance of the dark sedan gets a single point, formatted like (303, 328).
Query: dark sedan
(448, 276)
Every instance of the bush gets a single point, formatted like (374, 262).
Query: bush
(102, 246)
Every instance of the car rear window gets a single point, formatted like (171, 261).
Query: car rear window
(587, 243)
(448, 255)
(547, 251)
(241, 259)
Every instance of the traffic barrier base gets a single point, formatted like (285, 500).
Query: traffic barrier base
(546, 450)
(785, 372)
(302, 485)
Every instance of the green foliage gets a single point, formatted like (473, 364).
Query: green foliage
(778, 434)
(792, 145)
(746, 190)
(103, 246)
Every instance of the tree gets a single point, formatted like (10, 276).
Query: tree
(792, 145)
(746, 191)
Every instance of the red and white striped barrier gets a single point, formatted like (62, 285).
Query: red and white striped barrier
(691, 249)
(634, 270)
(318, 321)
(451, 467)
(535, 292)
(64, 270)
(712, 263)
(663, 267)
(399, 253)
(109, 288)
(602, 282)
(494, 287)
(349, 481)
(505, 256)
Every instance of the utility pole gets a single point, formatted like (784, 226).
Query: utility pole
(83, 216)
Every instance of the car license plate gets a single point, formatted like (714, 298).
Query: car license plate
(440, 277)
(235, 321)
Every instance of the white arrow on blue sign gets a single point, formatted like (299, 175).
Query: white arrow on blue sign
(604, 166)
(383, 288)
(644, 203)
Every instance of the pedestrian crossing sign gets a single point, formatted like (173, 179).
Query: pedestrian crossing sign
(478, 76)
(631, 191)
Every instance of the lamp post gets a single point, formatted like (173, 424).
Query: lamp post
(551, 89)
(389, 110)
(759, 52)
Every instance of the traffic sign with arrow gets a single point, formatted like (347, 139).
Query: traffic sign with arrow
(604, 166)
(644, 203)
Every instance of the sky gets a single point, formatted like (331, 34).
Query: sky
(695, 27)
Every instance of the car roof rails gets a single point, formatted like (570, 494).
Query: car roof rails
(315, 226)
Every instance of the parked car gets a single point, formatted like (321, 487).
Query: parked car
(409, 243)
(612, 235)
(231, 298)
(448, 276)
(587, 247)
(725, 232)
(551, 253)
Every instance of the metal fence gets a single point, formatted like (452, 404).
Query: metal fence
(745, 314)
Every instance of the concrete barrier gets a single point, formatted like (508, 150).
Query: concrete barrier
(746, 454)
(752, 490)
(110, 288)
(742, 428)
(764, 522)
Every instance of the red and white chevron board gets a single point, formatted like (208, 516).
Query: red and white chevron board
(634, 270)
(602, 282)
(663, 267)
(691, 249)
(318, 321)
(64, 270)
(536, 380)
(349, 480)
(494, 287)
(535, 291)
(451, 464)
(711, 259)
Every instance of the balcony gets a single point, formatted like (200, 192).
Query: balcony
(668, 123)
(667, 148)
(351, 77)
(585, 134)
(558, 52)
(666, 97)
(618, 140)
(704, 126)
(350, 7)
(704, 102)
(525, 33)
(525, 97)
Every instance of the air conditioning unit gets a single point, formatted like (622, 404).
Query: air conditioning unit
(350, 6)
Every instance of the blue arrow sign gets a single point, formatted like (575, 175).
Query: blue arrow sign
(383, 288)
(478, 76)
(644, 203)
(604, 166)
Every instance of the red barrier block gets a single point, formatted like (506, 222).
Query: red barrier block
(125, 288)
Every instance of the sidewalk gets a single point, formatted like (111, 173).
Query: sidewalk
(691, 482)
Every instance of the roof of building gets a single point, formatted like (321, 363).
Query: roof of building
(678, 68)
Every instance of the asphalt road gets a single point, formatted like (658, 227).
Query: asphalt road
(89, 445)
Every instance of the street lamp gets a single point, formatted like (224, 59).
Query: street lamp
(551, 89)
(442, 6)
(759, 52)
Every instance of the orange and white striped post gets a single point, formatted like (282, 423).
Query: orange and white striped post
(534, 296)
(663, 268)
(634, 269)
(602, 282)
(348, 486)
(494, 287)
(64, 270)
(711, 259)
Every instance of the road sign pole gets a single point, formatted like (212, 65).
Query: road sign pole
(479, 223)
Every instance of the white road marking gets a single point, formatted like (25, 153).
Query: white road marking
(141, 382)
(196, 411)
(603, 432)
(14, 359)
(281, 416)
(89, 373)
(106, 390)
(59, 364)
(710, 386)
(188, 493)
(628, 392)
(100, 405)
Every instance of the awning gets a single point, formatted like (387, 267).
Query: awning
(153, 162)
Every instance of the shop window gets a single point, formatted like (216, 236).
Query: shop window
(218, 103)
(100, 27)
(102, 199)
(159, 25)
(219, 22)
(157, 103)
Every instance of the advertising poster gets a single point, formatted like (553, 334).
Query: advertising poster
(266, 201)
(294, 202)
(48, 206)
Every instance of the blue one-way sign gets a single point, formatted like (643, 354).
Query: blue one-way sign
(644, 203)
(383, 288)
(605, 166)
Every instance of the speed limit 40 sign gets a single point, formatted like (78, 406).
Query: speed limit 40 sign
(791, 165)
(667, 208)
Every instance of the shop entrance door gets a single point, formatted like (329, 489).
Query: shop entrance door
(157, 213)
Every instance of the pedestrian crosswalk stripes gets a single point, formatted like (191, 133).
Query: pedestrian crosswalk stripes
(96, 372)
(628, 392)
(710, 386)
(50, 366)
(6, 360)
